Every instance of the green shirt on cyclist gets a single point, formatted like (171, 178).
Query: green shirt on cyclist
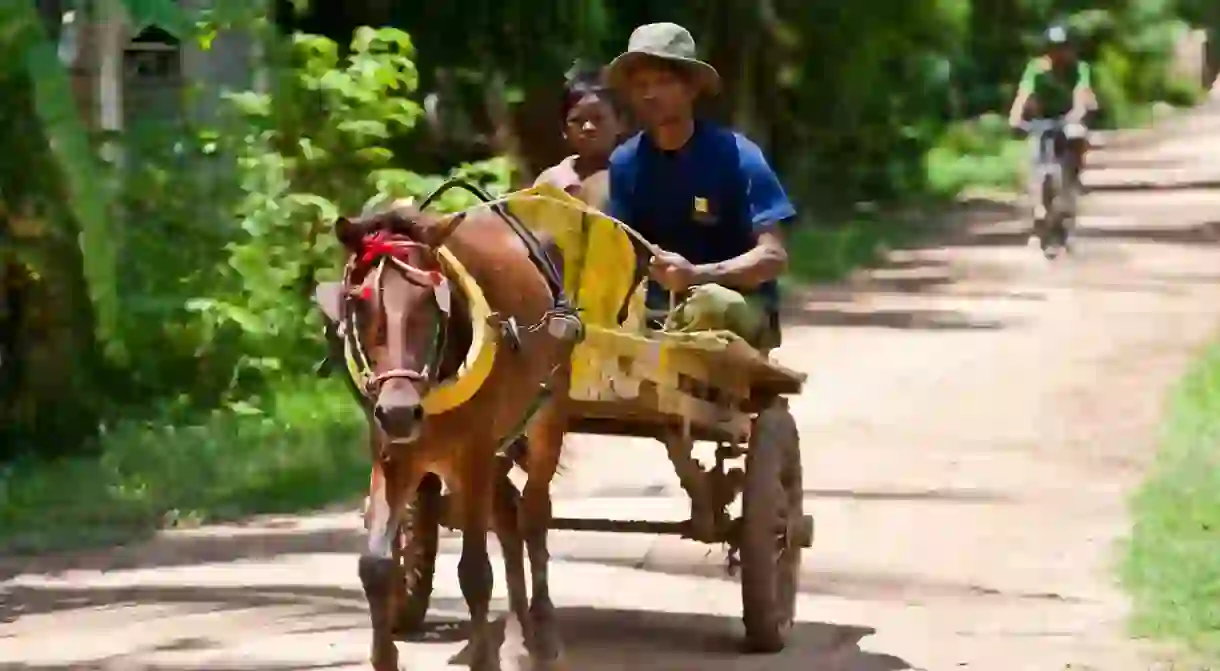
(1056, 84)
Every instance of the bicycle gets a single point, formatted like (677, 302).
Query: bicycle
(1057, 184)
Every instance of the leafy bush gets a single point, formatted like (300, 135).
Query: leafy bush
(300, 447)
(981, 153)
(230, 253)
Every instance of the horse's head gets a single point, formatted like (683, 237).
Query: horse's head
(397, 304)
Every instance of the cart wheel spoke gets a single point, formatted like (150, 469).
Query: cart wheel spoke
(415, 549)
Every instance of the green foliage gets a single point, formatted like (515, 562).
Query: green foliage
(177, 195)
(827, 253)
(1172, 560)
(314, 150)
(166, 14)
(978, 154)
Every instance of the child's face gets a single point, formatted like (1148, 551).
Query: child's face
(592, 127)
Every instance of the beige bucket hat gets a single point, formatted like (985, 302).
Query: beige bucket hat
(668, 42)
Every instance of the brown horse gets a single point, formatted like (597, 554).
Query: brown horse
(396, 302)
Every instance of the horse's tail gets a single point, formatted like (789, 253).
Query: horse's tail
(517, 452)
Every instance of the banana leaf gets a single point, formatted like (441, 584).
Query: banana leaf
(87, 197)
(68, 142)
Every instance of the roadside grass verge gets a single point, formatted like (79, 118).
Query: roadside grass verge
(1171, 562)
(304, 449)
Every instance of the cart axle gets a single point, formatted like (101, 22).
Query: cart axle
(803, 531)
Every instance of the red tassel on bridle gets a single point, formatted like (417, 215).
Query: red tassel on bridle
(384, 244)
(381, 244)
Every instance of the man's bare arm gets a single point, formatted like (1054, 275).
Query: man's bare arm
(765, 262)
(1083, 102)
(1017, 113)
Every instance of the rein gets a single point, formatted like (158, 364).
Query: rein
(561, 320)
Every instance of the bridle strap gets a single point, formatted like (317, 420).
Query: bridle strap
(384, 251)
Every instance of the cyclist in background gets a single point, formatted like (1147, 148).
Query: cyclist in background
(1057, 84)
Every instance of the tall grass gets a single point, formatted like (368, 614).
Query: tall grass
(1172, 559)
(304, 448)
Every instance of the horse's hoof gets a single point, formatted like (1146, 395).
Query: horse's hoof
(385, 663)
(515, 661)
(488, 663)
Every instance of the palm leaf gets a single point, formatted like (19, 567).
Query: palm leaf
(68, 140)
(88, 198)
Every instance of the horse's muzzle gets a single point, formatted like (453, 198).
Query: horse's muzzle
(401, 423)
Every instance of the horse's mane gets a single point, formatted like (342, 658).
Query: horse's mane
(399, 217)
(400, 220)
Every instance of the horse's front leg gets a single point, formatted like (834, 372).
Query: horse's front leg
(545, 444)
(378, 570)
(474, 567)
(507, 503)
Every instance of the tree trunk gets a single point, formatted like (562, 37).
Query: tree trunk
(995, 47)
(1213, 53)
(537, 125)
(47, 334)
(50, 405)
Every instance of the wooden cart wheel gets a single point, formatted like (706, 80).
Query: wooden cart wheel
(772, 509)
(415, 551)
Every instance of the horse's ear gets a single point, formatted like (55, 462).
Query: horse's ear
(328, 296)
(433, 231)
(348, 233)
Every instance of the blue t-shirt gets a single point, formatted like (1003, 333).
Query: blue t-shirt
(706, 201)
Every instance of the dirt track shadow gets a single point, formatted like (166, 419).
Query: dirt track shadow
(186, 549)
(908, 319)
(44, 599)
(595, 638)
(1207, 233)
(110, 666)
(985, 223)
(945, 494)
(601, 639)
(1159, 185)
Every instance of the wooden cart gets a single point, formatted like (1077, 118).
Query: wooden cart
(677, 388)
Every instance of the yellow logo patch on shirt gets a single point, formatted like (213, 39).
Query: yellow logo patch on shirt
(703, 213)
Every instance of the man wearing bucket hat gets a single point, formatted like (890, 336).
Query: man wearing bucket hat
(702, 193)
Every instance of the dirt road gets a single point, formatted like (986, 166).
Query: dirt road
(973, 424)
